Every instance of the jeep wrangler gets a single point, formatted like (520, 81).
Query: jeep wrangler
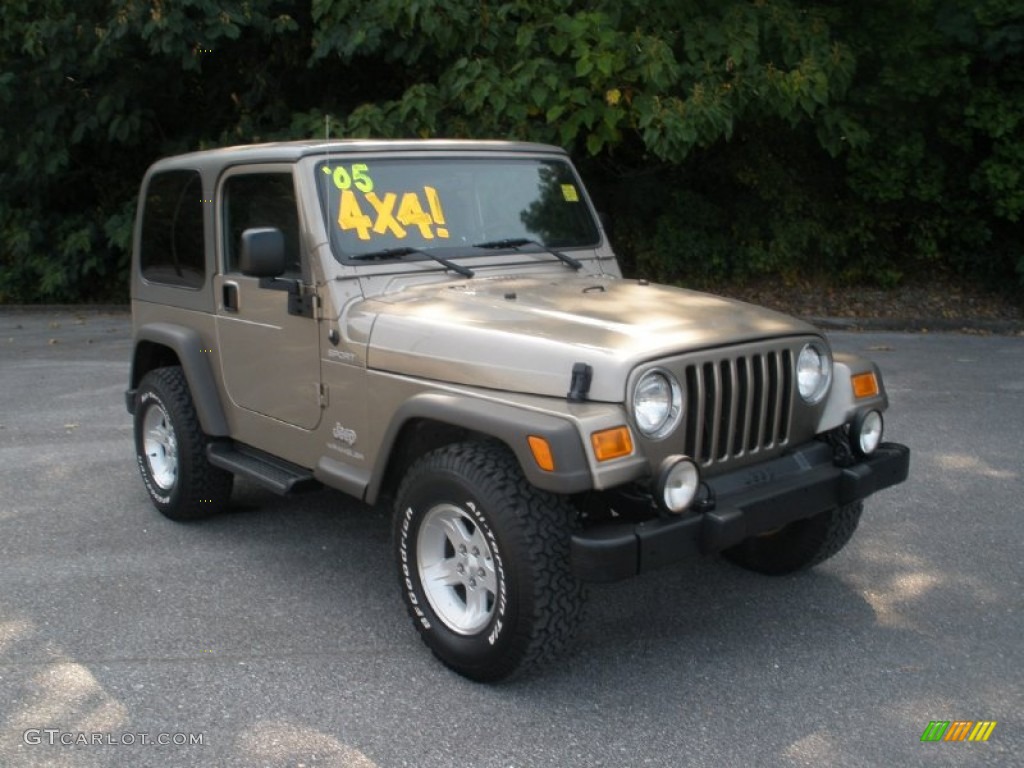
(444, 324)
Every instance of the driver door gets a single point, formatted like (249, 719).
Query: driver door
(270, 359)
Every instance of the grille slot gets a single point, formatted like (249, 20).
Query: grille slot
(738, 405)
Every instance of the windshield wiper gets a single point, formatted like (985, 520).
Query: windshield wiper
(405, 250)
(517, 242)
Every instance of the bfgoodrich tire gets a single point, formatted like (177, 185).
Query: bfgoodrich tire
(170, 448)
(799, 545)
(483, 562)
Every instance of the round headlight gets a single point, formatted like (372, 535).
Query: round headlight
(657, 404)
(813, 373)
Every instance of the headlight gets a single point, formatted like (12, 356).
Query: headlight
(657, 404)
(813, 373)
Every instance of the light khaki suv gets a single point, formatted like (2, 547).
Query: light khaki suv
(444, 323)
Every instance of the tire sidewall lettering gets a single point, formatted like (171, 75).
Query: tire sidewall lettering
(498, 622)
(403, 554)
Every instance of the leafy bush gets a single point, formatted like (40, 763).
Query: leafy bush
(860, 141)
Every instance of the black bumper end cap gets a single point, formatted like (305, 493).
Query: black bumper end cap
(605, 554)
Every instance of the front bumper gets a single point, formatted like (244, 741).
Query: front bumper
(748, 502)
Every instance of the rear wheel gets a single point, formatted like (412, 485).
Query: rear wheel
(483, 562)
(799, 545)
(170, 448)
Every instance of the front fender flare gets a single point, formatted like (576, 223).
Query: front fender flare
(507, 423)
(841, 405)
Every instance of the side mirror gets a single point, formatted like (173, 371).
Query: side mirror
(262, 252)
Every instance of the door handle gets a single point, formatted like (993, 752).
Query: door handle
(230, 296)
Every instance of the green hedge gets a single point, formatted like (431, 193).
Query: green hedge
(866, 141)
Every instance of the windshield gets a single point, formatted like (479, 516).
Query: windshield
(426, 203)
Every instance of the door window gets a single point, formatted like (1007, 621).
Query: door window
(261, 200)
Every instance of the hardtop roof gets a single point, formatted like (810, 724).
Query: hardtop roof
(292, 151)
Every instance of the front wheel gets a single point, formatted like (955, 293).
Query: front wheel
(483, 562)
(799, 545)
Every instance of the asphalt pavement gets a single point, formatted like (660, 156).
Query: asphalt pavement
(275, 634)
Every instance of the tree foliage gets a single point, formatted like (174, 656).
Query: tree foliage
(866, 141)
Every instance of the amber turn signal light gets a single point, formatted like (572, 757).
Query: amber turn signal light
(611, 443)
(864, 385)
(541, 450)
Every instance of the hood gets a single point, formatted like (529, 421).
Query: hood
(525, 334)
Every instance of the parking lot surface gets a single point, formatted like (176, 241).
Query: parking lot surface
(275, 635)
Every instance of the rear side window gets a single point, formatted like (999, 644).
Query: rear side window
(172, 250)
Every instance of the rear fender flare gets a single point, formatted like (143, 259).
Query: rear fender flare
(189, 348)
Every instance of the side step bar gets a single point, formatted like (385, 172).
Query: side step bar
(280, 476)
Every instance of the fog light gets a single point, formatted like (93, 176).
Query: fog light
(866, 432)
(675, 485)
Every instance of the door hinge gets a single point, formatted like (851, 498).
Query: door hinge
(299, 303)
(321, 390)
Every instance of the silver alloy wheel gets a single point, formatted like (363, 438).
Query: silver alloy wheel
(456, 569)
(161, 447)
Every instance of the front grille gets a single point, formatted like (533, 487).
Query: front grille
(737, 406)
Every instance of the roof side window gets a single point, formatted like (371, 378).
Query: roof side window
(171, 249)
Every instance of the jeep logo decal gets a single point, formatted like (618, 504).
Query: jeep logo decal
(344, 434)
